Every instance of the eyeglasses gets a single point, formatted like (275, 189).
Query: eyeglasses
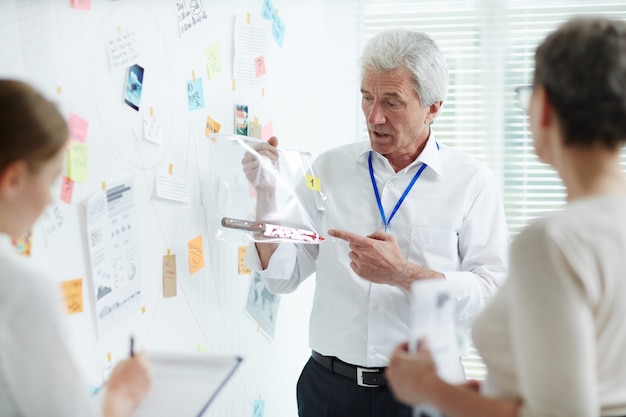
(523, 96)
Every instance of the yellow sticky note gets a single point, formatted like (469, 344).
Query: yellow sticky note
(77, 162)
(143, 309)
(211, 126)
(242, 269)
(169, 275)
(196, 256)
(73, 295)
(313, 183)
(213, 61)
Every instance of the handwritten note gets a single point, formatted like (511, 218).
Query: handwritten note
(122, 50)
(278, 31)
(259, 65)
(78, 128)
(213, 61)
(211, 126)
(77, 162)
(258, 408)
(278, 27)
(196, 256)
(195, 94)
(268, 11)
(152, 129)
(169, 275)
(190, 14)
(242, 269)
(73, 295)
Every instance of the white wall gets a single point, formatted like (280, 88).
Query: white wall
(310, 96)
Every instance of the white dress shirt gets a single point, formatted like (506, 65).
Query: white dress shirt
(555, 335)
(38, 375)
(451, 221)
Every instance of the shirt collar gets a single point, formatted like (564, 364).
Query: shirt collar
(430, 155)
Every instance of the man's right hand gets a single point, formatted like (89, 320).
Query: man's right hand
(257, 165)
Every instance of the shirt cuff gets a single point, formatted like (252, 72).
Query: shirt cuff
(281, 263)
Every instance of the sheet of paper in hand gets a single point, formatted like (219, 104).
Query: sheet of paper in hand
(432, 317)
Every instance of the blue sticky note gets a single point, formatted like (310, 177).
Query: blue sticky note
(195, 94)
(258, 410)
(267, 12)
(278, 30)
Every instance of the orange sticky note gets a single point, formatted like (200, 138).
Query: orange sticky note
(242, 269)
(196, 257)
(211, 126)
(73, 295)
(169, 275)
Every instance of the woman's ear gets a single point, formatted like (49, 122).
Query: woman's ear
(12, 179)
(546, 110)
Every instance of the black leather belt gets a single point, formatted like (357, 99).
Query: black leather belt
(364, 377)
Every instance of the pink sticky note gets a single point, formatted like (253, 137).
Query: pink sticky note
(259, 65)
(81, 4)
(78, 128)
(267, 131)
(67, 187)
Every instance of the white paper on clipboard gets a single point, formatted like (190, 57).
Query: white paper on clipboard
(432, 316)
(184, 385)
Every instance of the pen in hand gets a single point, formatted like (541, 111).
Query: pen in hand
(132, 346)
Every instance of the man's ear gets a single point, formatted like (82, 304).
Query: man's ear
(12, 179)
(432, 111)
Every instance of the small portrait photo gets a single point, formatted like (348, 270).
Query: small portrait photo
(134, 82)
(241, 120)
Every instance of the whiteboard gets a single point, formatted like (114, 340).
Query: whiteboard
(80, 59)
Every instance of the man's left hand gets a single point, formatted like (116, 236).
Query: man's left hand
(377, 258)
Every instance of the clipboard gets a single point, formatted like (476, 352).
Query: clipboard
(185, 385)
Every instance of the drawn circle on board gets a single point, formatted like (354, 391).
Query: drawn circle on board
(129, 38)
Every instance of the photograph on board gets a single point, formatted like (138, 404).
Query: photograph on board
(134, 82)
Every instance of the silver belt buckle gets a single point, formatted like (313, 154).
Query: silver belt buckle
(359, 377)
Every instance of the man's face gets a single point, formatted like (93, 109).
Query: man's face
(397, 123)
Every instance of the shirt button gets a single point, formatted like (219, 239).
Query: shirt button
(390, 185)
(376, 306)
(374, 351)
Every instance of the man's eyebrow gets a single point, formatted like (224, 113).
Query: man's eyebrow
(390, 94)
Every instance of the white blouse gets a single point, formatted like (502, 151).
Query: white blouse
(38, 375)
(555, 335)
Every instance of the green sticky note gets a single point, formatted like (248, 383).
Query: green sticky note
(213, 61)
(77, 162)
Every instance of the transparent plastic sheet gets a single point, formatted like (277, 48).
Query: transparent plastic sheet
(296, 212)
